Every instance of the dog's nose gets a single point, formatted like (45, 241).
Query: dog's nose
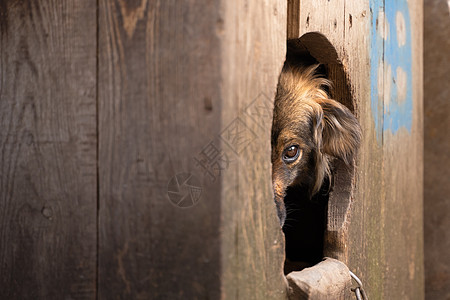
(282, 217)
(281, 210)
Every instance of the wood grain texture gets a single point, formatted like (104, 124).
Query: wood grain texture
(186, 89)
(326, 17)
(293, 19)
(159, 83)
(365, 237)
(403, 167)
(437, 148)
(177, 81)
(48, 149)
(253, 52)
(383, 231)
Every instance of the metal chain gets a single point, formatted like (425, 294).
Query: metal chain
(358, 290)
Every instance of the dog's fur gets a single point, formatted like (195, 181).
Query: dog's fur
(322, 128)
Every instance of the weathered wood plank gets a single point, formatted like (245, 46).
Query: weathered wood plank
(293, 19)
(403, 149)
(48, 149)
(437, 148)
(365, 237)
(159, 76)
(326, 17)
(396, 76)
(178, 81)
(386, 204)
(254, 49)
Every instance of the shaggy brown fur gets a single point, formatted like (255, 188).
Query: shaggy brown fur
(318, 127)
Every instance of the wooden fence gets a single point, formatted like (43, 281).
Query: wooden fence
(135, 146)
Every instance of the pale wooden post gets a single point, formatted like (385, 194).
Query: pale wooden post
(186, 89)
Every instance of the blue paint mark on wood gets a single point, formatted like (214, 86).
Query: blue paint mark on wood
(391, 71)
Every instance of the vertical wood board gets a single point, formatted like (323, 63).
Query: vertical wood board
(437, 148)
(253, 52)
(160, 114)
(48, 149)
(403, 148)
(208, 75)
(385, 217)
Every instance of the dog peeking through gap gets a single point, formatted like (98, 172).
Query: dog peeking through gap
(309, 131)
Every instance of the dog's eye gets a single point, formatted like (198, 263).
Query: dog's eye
(291, 153)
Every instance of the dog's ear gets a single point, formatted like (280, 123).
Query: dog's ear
(341, 133)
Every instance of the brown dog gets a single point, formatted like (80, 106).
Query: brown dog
(308, 131)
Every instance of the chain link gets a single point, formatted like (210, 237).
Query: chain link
(358, 290)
